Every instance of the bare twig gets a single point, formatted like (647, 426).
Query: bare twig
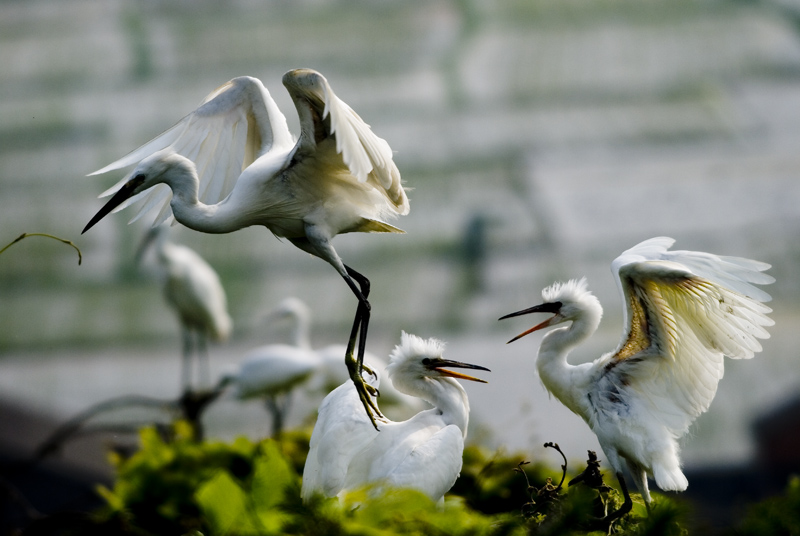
(62, 240)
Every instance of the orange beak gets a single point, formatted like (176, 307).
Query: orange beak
(437, 364)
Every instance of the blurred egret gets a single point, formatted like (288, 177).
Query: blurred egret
(235, 150)
(193, 290)
(271, 372)
(423, 452)
(684, 311)
(330, 372)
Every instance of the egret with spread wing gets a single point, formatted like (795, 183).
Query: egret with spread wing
(423, 452)
(684, 311)
(235, 151)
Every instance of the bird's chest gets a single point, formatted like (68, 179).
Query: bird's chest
(607, 402)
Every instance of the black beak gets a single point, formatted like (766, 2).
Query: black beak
(552, 307)
(124, 193)
(438, 364)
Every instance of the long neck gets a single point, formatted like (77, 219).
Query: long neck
(301, 334)
(190, 211)
(557, 375)
(446, 395)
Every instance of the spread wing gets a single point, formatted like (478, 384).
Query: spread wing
(234, 125)
(684, 311)
(323, 115)
(341, 430)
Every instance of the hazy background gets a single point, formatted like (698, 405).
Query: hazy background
(539, 140)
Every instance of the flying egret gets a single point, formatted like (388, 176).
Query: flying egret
(193, 290)
(423, 452)
(684, 311)
(235, 150)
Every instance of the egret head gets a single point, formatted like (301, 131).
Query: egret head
(567, 302)
(155, 169)
(415, 360)
(289, 307)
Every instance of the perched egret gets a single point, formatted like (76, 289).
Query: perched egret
(684, 311)
(235, 150)
(271, 372)
(193, 290)
(423, 452)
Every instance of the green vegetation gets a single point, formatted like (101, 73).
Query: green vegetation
(176, 485)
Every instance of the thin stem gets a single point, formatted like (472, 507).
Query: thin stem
(26, 235)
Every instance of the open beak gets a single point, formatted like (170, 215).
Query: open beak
(438, 363)
(128, 190)
(554, 308)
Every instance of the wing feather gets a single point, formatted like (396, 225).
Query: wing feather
(342, 426)
(368, 156)
(234, 125)
(684, 312)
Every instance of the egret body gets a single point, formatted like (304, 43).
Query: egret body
(194, 292)
(233, 163)
(423, 452)
(684, 311)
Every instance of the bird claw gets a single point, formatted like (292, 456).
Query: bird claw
(367, 394)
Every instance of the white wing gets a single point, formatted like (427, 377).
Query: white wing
(234, 125)
(341, 430)
(367, 156)
(431, 466)
(273, 369)
(684, 311)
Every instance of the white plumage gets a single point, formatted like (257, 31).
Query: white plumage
(684, 311)
(423, 452)
(193, 290)
(233, 163)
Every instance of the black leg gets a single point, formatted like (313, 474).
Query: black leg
(277, 415)
(186, 365)
(626, 506)
(358, 335)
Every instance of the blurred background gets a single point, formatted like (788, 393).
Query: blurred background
(539, 139)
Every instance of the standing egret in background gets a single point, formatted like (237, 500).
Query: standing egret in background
(423, 452)
(272, 372)
(330, 372)
(193, 290)
(684, 311)
(235, 150)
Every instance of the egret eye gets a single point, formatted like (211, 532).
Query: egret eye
(426, 361)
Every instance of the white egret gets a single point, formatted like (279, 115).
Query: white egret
(423, 452)
(193, 290)
(271, 372)
(236, 151)
(684, 311)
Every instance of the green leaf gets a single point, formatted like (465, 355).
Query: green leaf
(225, 505)
(272, 476)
